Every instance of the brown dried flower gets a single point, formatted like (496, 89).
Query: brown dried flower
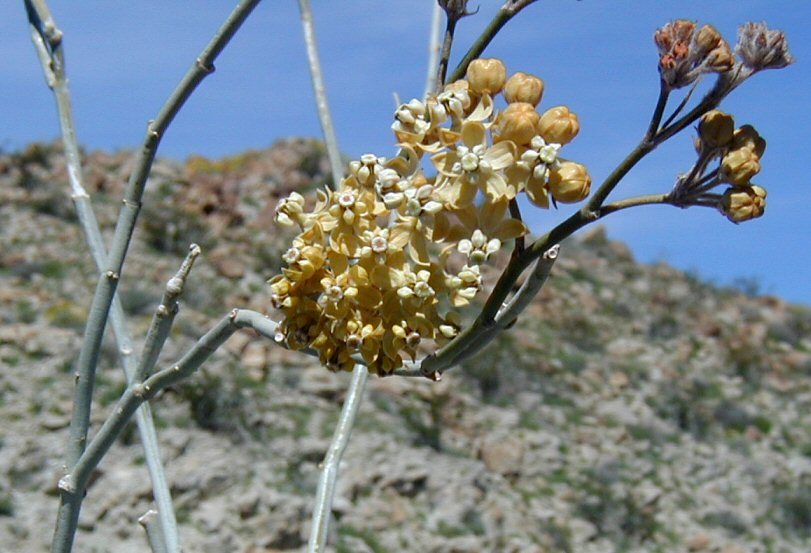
(762, 48)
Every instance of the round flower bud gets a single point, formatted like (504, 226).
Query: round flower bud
(738, 166)
(716, 128)
(523, 88)
(569, 182)
(748, 137)
(558, 125)
(486, 76)
(518, 123)
(742, 204)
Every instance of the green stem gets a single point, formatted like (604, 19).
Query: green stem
(108, 281)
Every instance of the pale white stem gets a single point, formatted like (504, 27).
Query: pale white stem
(319, 531)
(434, 46)
(320, 92)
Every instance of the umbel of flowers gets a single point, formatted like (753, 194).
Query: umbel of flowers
(382, 265)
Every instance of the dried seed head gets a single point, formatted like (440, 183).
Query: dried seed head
(685, 54)
(558, 125)
(762, 48)
(743, 204)
(518, 123)
(522, 87)
(486, 76)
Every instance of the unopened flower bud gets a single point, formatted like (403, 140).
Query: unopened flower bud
(738, 166)
(558, 125)
(518, 123)
(569, 182)
(522, 87)
(748, 137)
(716, 128)
(486, 76)
(743, 204)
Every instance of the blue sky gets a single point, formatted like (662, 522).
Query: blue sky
(596, 56)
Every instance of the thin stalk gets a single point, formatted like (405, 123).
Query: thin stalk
(76, 482)
(682, 104)
(320, 92)
(445, 54)
(502, 17)
(164, 316)
(495, 315)
(319, 531)
(658, 111)
(47, 40)
(152, 526)
(108, 281)
(433, 51)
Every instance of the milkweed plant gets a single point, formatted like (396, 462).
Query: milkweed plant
(387, 264)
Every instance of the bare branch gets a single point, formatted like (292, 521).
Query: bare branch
(320, 92)
(319, 530)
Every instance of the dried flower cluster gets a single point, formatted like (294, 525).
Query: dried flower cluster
(370, 275)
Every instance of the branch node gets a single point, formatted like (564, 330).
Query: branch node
(206, 68)
(65, 484)
(111, 275)
(552, 253)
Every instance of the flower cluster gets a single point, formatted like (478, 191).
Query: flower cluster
(381, 265)
(686, 53)
(738, 152)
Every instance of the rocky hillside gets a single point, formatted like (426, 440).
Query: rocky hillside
(632, 408)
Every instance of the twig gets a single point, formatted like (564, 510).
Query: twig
(445, 53)
(47, 40)
(321, 93)
(105, 290)
(520, 242)
(658, 111)
(70, 503)
(505, 13)
(152, 527)
(529, 289)
(329, 468)
(495, 315)
(164, 316)
(682, 104)
(433, 51)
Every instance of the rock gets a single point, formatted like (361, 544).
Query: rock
(502, 455)
(699, 542)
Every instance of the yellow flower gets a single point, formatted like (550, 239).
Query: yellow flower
(558, 125)
(716, 129)
(479, 231)
(569, 182)
(522, 87)
(518, 123)
(743, 204)
(531, 171)
(473, 166)
(486, 76)
(739, 166)
(748, 137)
